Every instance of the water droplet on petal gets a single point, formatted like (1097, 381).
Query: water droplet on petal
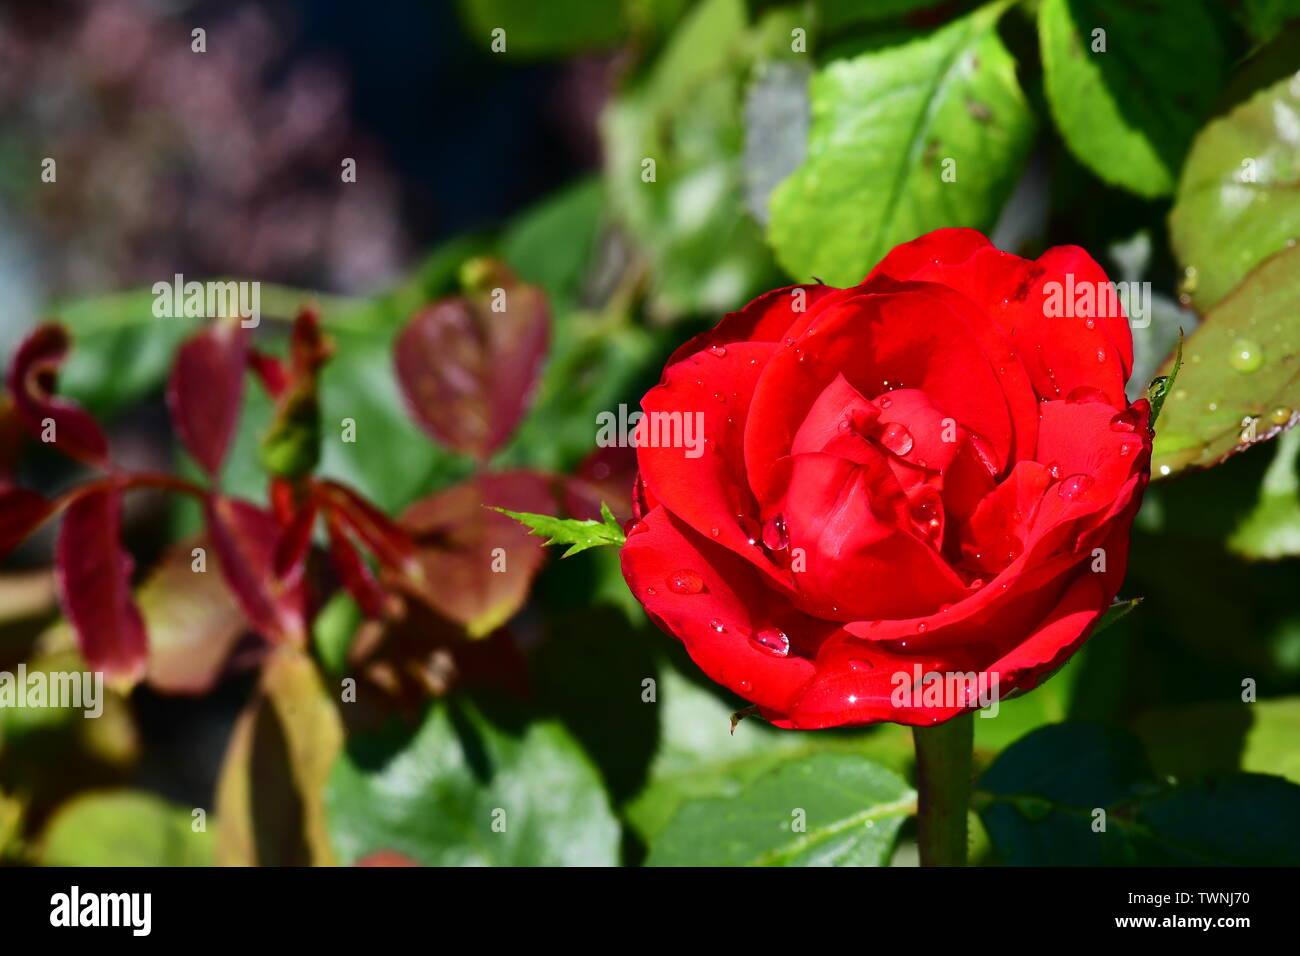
(720, 397)
(886, 402)
(1125, 421)
(860, 664)
(921, 628)
(715, 531)
(634, 526)
(718, 626)
(1084, 394)
(1246, 356)
(1073, 486)
(776, 536)
(685, 581)
(1054, 471)
(651, 591)
(772, 640)
(1101, 355)
(896, 438)
(718, 350)
(746, 687)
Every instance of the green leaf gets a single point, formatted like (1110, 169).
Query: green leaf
(333, 630)
(705, 253)
(1264, 19)
(1241, 382)
(1040, 802)
(1272, 528)
(1128, 110)
(553, 243)
(579, 535)
(699, 756)
(822, 810)
(552, 29)
(123, 828)
(883, 125)
(1259, 737)
(472, 787)
(1237, 203)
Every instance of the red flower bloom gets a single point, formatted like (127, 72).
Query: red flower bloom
(933, 471)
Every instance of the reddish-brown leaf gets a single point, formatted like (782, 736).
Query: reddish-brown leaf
(295, 542)
(12, 434)
(245, 538)
(381, 535)
(468, 371)
(466, 577)
(193, 620)
(352, 569)
(270, 371)
(385, 858)
(205, 390)
(21, 513)
(94, 574)
(33, 377)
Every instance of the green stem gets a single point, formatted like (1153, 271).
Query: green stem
(943, 772)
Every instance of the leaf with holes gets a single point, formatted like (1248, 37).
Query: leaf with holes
(1240, 381)
(1237, 203)
(886, 127)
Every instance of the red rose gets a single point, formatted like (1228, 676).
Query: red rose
(934, 471)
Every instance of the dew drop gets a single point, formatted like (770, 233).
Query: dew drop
(860, 664)
(718, 350)
(896, 438)
(715, 531)
(776, 536)
(1073, 486)
(1101, 355)
(1280, 415)
(923, 512)
(634, 526)
(886, 402)
(651, 591)
(1084, 394)
(718, 626)
(746, 687)
(844, 425)
(685, 581)
(720, 397)
(1125, 421)
(772, 640)
(921, 628)
(1246, 356)
(1054, 471)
